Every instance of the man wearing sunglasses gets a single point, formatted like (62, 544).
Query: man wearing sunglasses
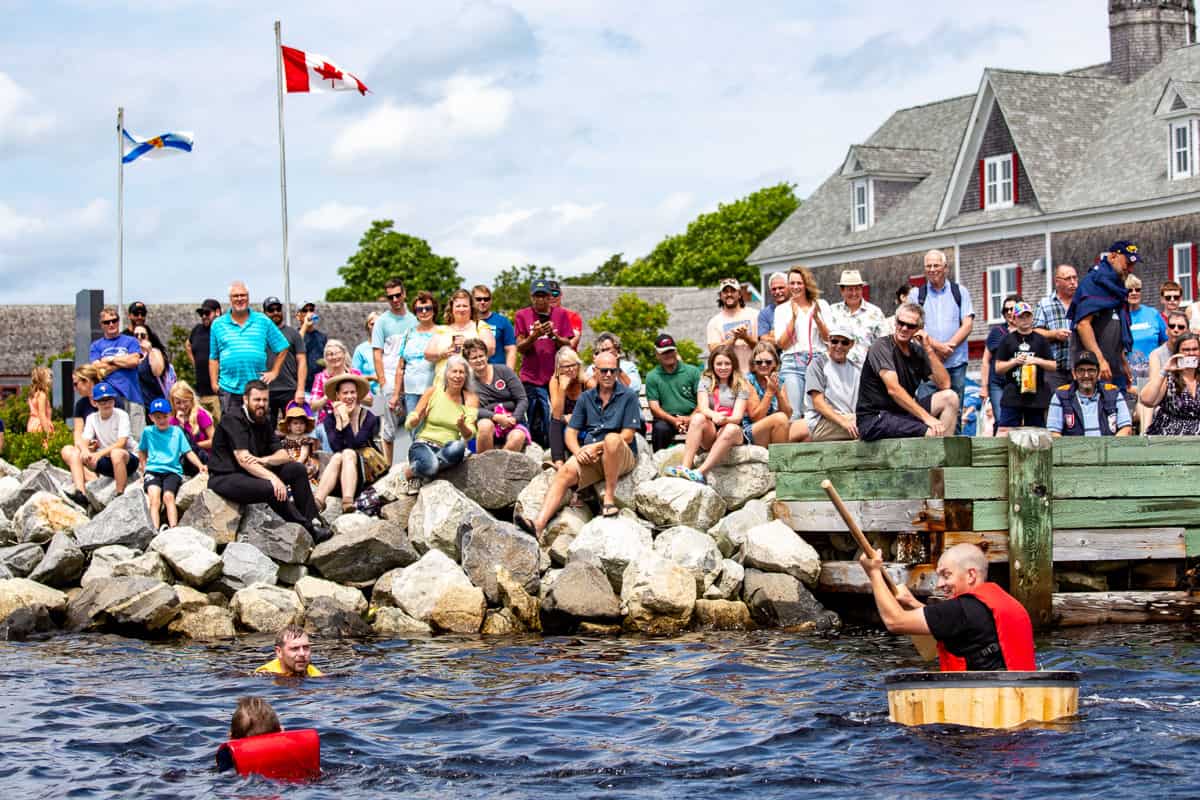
(1171, 294)
(573, 316)
(831, 391)
(502, 329)
(117, 355)
(386, 340)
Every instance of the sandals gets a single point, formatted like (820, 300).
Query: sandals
(693, 475)
(672, 471)
(609, 510)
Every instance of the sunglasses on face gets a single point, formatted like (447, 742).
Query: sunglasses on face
(141, 336)
(273, 309)
(395, 297)
(1008, 309)
(607, 370)
(1167, 297)
(908, 326)
(422, 309)
(842, 342)
(764, 362)
(483, 299)
(1177, 327)
(108, 322)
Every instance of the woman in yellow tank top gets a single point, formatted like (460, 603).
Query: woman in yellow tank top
(442, 423)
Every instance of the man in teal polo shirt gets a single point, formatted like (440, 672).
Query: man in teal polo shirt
(237, 349)
(670, 393)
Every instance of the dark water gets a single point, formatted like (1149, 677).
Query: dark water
(721, 715)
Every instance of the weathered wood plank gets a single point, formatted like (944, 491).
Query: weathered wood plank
(987, 451)
(1192, 539)
(1132, 450)
(1075, 544)
(1160, 512)
(1099, 608)
(1154, 480)
(868, 484)
(1031, 521)
(987, 515)
(886, 454)
(848, 576)
(872, 515)
(976, 483)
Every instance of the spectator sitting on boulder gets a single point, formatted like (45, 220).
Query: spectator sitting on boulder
(351, 431)
(293, 655)
(670, 393)
(565, 388)
(831, 391)
(768, 411)
(442, 423)
(104, 447)
(717, 424)
(162, 449)
(608, 342)
(502, 401)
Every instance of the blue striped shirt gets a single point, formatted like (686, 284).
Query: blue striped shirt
(242, 349)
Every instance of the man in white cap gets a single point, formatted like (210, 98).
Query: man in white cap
(861, 318)
(831, 390)
(734, 324)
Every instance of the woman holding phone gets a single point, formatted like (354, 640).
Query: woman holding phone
(462, 323)
(1174, 392)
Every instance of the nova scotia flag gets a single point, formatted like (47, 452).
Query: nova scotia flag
(164, 144)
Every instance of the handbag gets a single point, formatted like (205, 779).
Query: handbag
(372, 463)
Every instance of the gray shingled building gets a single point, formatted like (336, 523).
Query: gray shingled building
(1032, 170)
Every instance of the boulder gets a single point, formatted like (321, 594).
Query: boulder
(147, 565)
(25, 622)
(417, 589)
(45, 514)
(143, 603)
(101, 492)
(668, 457)
(363, 554)
(678, 501)
(559, 552)
(583, 591)
(568, 522)
(191, 554)
(5, 573)
(743, 476)
(441, 516)
(7, 534)
(610, 543)
(486, 548)
(533, 496)
(394, 623)
(328, 618)
(243, 565)
(774, 547)
(63, 563)
(381, 592)
(18, 593)
(500, 622)
(190, 490)
(521, 606)
(214, 515)
(10, 490)
(126, 521)
(351, 522)
(657, 595)
(779, 600)
(309, 589)
(627, 485)
(20, 559)
(722, 615)
(103, 560)
(39, 476)
(205, 624)
(392, 486)
(398, 511)
(459, 609)
(290, 574)
(493, 479)
(8, 470)
(266, 609)
(728, 585)
(730, 531)
(189, 598)
(285, 542)
(693, 550)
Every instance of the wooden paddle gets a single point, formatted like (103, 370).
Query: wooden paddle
(926, 645)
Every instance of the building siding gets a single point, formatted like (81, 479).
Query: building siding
(889, 194)
(997, 140)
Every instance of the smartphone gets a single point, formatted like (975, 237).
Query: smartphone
(543, 317)
(1189, 362)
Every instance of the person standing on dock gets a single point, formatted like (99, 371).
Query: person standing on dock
(980, 626)
(1052, 323)
(1100, 322)
(949, 316)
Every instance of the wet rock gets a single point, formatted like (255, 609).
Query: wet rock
(328, 618)
(531, 499)
(778, 600)
(18, 593)
(39, 476)
(501, 544)
(417, 589)
(693, 550)
(20, 559)
(103, 560)
(191, 554)
(189, 598)
(657, 595)
(63, 563)
(45, 514)
(774, 547)
(582, 590)
(493, 479)
(730, 532)
(395, 624)
(610, 543)
(191, 489)
(204, 624)
(214, 515)
(677, 501)
(285, 542)
(742, 476)
(309, 589)
(126, 521)
(440, 517)
(146, 565)
(243, 565)
(606, 630)
(500, 622)
(23, 623)
(523, 608)
(459, 609)
(728, 585)
(722, 615)
(266, 609)
(363, 554)
(143, 603)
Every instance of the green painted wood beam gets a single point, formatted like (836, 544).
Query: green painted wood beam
(870, 484)
(954, 451)
(1120, 512)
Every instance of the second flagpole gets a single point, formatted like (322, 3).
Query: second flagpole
(121, 216)
(287, 284)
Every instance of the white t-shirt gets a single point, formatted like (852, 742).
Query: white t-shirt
(720, 326)
(838, 382)
(808, 335)
(107, 431)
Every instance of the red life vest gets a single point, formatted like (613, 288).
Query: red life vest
(288, 755)
(1013, 630)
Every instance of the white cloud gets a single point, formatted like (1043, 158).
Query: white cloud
(502, 222)
(14, 224)
(22, 226)
(675, 204)
(470, 107)
(19, 121)
(569, 213)
(333, 217)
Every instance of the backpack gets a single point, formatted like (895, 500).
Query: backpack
(368, 502)
(923, 292)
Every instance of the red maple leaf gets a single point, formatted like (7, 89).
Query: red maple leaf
(328, 72)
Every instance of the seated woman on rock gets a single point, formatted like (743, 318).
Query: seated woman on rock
(769, 409)
(1174, 392)
(502, 401)
(565, 388)
(351, 431)
(721, 401)
(442, 423)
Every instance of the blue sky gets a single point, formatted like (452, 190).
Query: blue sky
(547, 131)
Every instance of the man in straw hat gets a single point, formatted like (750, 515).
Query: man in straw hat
(854, 314)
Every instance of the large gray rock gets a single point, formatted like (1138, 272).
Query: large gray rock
(309, 589)
(459, 609)
(289, 574)
(610, 543)
(8, 470)
(730, 531)
(774, 547)
(7, 534)
(351, 522)
(441, 516)
(204, 624)
(266, 609)
(190, 490)
(778, 600)
(100, 492)
(142, 603)
(5, 573)
(742, 476)
(398, 511)
(392, 623)
(523, 608)
(531, 498)
(20, 559)
(327, 618)
(147, 565)
(214, 515)
(493, 479)
(190, 599)
(488, 547)
(365, 554)
(103, 561)
(10, 490)
(243, 565)
(678, 501)
(191, 554)
(381, 592)
(568, 522)
(657, 595)
(63, 563)
(722, 615)
(45, 514)
(18, 593)
(728, 585)
(583, 591)
(286, 542)
(126, 521)
(693, 550)
(417, 589)
(627, 485)
(39, 476)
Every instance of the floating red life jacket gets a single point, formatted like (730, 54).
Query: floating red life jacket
(288, 755)
(1013, 629)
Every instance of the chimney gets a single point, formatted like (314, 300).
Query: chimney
(1142, 32)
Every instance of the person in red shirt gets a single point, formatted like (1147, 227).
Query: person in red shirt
(576, 320)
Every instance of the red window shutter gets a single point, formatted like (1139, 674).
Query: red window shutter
(866, 289)
(1194, 270)
(1171, 262)
(987, 300)
(982, 183)
(1019, 279)
(1016, 199)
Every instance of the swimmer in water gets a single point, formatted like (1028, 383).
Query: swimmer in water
(293, 655)
(253, 717)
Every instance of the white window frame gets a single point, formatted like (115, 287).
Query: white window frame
(867, 207)
(1183, 274)
(1181, 151)
(995, 184)
(998, 277)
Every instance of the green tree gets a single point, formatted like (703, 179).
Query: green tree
(638, 323)
(715, 245)
(384, 253)
(603, 275)
(177, 350)
(510, 288)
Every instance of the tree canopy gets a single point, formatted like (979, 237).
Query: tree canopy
(603, 275)
(384, 253)
(638, 323)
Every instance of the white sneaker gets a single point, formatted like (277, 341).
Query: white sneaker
(414, 486)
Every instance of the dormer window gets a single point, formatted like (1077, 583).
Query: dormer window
(864, 212)
(1182, 149)
(998, 181)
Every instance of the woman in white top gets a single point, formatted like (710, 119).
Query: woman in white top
(800, 332)
(461, 324)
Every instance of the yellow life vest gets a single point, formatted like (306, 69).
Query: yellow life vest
(275, 668)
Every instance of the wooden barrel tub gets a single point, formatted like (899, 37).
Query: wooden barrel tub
(999, 699)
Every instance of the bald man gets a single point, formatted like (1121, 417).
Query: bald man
(980, 626)
(238, 345)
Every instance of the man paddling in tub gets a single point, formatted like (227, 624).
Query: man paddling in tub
(980, 626)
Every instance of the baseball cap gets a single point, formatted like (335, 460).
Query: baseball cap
(1127, 249)
(103, 390)
(309, 306)
(271, 302)
(1087, 357)
(159, 405)
(137, 307)
(729, 283)
(540, 286)
(663, 343)
(844, 332)
(207, 306)
(1021, 307)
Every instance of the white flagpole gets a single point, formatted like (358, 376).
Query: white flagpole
(121, 216)
(287, 284)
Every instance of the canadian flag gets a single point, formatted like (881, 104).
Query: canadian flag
(310, 72)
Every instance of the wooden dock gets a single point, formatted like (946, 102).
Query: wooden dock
(1119, 514)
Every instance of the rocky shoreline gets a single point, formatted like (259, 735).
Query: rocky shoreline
(680, 556)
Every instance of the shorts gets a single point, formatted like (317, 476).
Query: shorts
(594, 472)
(169, 482)
(391, 423)
(824, 430)
(893, 424)
(105, 466)
(1016, 417)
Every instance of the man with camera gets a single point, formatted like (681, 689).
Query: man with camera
(541, 329)
(314, 341)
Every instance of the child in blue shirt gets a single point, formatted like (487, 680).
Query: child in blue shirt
(162, 449)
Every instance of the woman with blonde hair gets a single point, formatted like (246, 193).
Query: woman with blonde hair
(565, 388)
(800, 332)
(337, 362)
(461, 323)
(716, 425)
(40, 420)
(442, 424)
(197, 423)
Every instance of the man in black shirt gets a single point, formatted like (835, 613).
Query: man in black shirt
(250, 465)
(895, 366)
(197, 350)
(288, 386)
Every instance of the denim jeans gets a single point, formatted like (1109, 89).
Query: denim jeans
(538, 413)
(792, 370)
(427, 459)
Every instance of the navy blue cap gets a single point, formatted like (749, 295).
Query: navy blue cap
(1127, 249)
(540, 286)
